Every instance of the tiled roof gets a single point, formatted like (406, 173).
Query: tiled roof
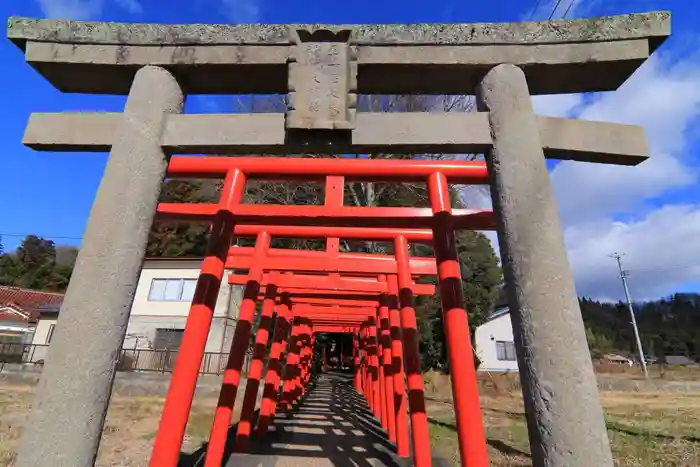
(26, 301)
(498, 313)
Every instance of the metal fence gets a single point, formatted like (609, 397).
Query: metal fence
(161, 361)
(11, 352)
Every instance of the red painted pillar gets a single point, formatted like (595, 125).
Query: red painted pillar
(356, 363)
(416, 391)
(363, 363)
(388, 376)
(291, 368)
(255, 369)
(274, 370)
(236, 359)
(380, 375)
(369, 387)
(403, 447)
(374, 365)
(296, 390)
(178, 402)
(465, 393)
(280, 385)
(303, 364)
(310, 363)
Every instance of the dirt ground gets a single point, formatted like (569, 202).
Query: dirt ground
(647, 427)
(129, 430)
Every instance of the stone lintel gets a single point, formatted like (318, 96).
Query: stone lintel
(398, 133)
(428, 69)
(655, 26)
(563, 56)
(550, 69)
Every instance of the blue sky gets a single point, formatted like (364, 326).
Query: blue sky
(651, 213)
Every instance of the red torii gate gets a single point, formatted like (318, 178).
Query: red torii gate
(344, 298)
(329, 221)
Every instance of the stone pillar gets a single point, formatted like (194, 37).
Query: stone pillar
(71, 402)
(565, 419)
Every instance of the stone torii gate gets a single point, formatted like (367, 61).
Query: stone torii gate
(323, 68)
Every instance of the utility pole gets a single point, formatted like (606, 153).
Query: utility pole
(623, 276)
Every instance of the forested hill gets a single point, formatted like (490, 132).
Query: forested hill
(670, 326)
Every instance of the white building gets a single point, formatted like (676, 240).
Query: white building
(160, 308)
(494, 343)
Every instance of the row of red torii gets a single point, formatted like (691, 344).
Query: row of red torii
(307, 292)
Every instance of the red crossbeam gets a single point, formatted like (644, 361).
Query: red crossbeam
(321, 261)
(466, 219)
(331, 214)
(277, 168)
(340, 329)
(354, 233)
(328, 283)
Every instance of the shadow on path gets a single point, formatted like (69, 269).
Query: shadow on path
(332, 426)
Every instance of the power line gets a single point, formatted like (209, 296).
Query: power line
(623, 276)
(567, 10)
(670, 267)
(22, 235)
(554, 10)
(642, 270)
(534, 10)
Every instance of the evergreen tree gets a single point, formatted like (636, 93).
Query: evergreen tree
(34, 266)
(181, 239)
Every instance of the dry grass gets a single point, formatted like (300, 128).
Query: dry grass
(646, 429)
(129, 429)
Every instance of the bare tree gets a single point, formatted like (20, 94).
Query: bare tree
(368, 194)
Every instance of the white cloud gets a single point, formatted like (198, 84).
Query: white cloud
(71, 9)
(660, 243)
(241, 11)
(560, 105)
(131, 6)
(478, 197)
(663, 97)
(661, 253)
(84, 9)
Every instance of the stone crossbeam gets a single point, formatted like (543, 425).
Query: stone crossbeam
(563, 56)
(447, 133)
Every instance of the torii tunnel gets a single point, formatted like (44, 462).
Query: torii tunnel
(369, 297)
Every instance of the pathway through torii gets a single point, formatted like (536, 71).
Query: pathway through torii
(323, 70)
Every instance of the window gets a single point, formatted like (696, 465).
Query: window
(188, 286)
(505, 351)
(172, 290)
(49, 334)
(11, 337)
(168, 339)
